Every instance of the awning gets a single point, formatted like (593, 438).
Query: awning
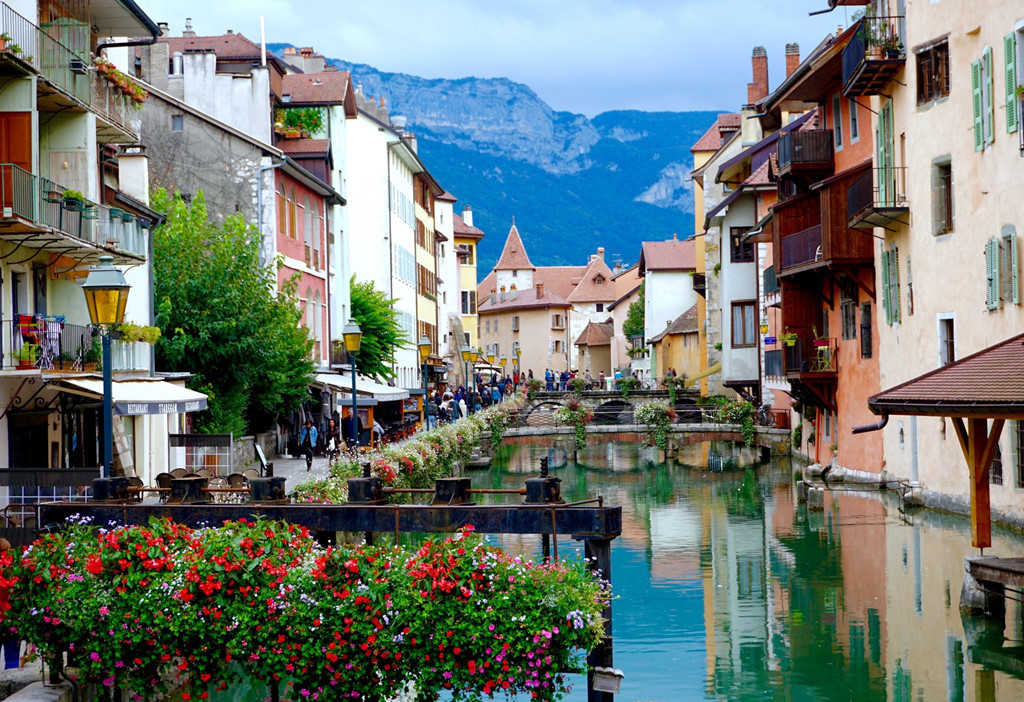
(364, 386)
(142, 396)
(710, 370)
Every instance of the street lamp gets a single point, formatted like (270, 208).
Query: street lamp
(474, 354)
(502, 362)
(465, 366)
(518, 351)
(424, 352)
(353, 336)
(106, 295)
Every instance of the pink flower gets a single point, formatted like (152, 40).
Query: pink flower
(94, 656)
(104, 611)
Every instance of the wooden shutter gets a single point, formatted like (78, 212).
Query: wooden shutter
(989, 83)
(1014, 267)
(885, 287)
(979, 142)
(894, 280)
(865, 330)
(1010, 60)
(992, 274)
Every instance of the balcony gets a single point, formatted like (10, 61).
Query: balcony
(877, 198)
(812, 357)
(802, 247)
(873, 57)
(806, 151)
(700, 284)
(40, 214)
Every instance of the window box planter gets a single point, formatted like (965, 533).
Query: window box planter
(819, 343)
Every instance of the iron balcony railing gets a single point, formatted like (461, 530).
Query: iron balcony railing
(770, 282)
(877, 188)
(810, 148)
(873, 55)
(110, 102)
(43, 202)
(802, 247)
(51, 343)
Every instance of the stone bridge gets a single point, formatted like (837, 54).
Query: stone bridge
(607, 405)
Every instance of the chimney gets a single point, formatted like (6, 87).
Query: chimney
(675, 237)
(759, 88)
(164, 28)
(467, 216)
(133, 172)
(600, 252)
(188, 28)
(792, 58)
(230, 31)
(540, 290)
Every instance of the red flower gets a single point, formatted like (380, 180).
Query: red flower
(94, 565)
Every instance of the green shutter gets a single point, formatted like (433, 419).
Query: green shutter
(1010, 59)
(885, 287)
(1014, 275)
(979, 142)
(992, 274)
(986, 57)
(894, 276)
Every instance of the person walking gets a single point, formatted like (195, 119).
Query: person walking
(529, 374)
(332, 441)
(463, 409)
(495, 394)
(549, 380)
(307, 442)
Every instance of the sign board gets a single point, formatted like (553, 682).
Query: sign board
(770, 340)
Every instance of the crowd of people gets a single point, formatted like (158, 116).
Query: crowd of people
(453, 404)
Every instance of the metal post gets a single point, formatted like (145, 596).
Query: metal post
(108, 408)
(599, 551)
(355, 421)
(426, 396)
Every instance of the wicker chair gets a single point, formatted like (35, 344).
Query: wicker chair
(251, 473)
(237, 480)
(178, 473)
(163, 480)
(136, 482)
(204, 472)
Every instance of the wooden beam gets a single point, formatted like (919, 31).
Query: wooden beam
(981, 448)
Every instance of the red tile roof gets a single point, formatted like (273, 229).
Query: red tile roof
(714, 137)
(589, 289)
(556, 278)
(760, 176)
(686, 323)
(227, 46)
(668, 255)
(464, 231)
(518, 300)
(447, 197)
(596, 334)
(304, 146)
(513, 256)
(328, 88)
(983, 384)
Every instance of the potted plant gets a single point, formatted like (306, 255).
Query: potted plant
(103, 66)
(820, 341)
(789, 338)
(64, 361)
(26, 356)
(93, 355)
(73, 200)
(4, 39)
(292, 133)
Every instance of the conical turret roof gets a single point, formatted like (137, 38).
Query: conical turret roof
(513, 256)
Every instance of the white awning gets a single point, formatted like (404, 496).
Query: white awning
(364, 386)
(142, 396)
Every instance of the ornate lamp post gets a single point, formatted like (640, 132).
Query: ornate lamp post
(353, 336)
(465, 366)
(106, 295)
(518, 351)
(425, 347)
(474, 354)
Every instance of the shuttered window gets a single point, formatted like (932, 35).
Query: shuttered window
(933, 73)
(992, 274)
(885, 287)
(865, 330)
(1010, 63)
(982, 102)
(891, 285)
(1002, 272)
(976, 104)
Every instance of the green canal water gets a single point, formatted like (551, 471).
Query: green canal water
(728, 589)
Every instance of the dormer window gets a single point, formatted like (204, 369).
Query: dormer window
(599, 279)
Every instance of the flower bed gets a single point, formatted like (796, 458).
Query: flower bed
(165, 606)
(416, 463)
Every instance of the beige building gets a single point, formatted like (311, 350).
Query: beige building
(534, 320)
(627, 287)
(594, 349)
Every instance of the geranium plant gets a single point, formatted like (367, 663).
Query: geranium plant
(658, 415)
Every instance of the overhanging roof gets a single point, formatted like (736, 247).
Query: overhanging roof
(989, 383)
(364, 386)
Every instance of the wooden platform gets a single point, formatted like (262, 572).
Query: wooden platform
(1004, 571)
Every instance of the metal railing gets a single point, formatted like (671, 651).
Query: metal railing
(769, 281)
(880, 188)
(808, 147)
(802, 247)
(47, 343)
(27, 488)
(877, 38)
(108, 100)
(613, 414)
(812, 356)
(40, 200)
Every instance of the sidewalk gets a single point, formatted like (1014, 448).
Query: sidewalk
(294, 470)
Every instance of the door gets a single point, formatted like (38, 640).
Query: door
(16, 190)
(39, 287)
(884, 160)
(17, 301)
(28, 440)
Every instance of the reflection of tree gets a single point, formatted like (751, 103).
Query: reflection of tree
(748, 499)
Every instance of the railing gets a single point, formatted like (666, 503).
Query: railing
(877, 38)
(40, 200)
(131, 356)
(770, 282)
(107, 99)
(805, 148)
(613, 414)
(812, 356)
(878, 188)
(47, 343)
(27, 488)
(773, 363)
(802, 247)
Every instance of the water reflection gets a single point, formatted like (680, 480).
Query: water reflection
(729, 589)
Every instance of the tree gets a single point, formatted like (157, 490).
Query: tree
(634, 324)
(382, 332)
(225, 319)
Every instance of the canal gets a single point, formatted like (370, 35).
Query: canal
(728, 589)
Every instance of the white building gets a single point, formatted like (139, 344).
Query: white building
(667, 268)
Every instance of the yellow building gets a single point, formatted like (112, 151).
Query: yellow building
(467, 238)
(678, 346)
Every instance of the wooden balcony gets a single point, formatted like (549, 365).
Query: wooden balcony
(801, 247)
(877, 198)
(808, 151)
(873, 57)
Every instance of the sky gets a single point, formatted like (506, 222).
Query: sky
(585, 56)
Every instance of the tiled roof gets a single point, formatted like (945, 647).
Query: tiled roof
(463, 230)
(304, 146)
(556, 278)
(985, 383)
(589, 289)
(714, 137)
(596, 334)
(760, 176)
(513, 256)
(519, 299)
(686, 323)
(668, 255)
(447, 197)
(227, 46)
(328, 88)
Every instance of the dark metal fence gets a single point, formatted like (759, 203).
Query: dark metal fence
(773, 363)
(883, 188)
(48, 343)
(875, 39)
(810, 147)
(802, 247)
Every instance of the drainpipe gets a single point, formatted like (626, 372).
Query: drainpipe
(872, 427)
(259, 202)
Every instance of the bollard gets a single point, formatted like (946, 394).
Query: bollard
(815, 499)
(267, 489)
(110, 489)
(451, 491)
(187, 491)
(367, 490)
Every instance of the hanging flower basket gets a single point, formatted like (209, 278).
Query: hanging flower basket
(820, 343)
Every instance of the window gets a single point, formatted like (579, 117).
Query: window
(837, 121)
(891, 285)
(743, 324)
(933, 73)
(1001, 271)
(865, 330)
(558, 346)
(947, 341)
(515, 274)
(468, 302)
(1010, 74)
(981, 99)
(307, 229)
(996, 471)
(942, 198)
(742, 252)
(515, 323)
(177, 123)
(851, 105)
(487, 325)
(599, 280)
(496, 324)
(600, 306)
(282, 210)
(556, 321)
(848, 308)
(1017, 451)
(291, 213)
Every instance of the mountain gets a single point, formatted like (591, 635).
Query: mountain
(572, 183)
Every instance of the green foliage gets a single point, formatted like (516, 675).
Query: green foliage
(577, 415)
(382, 333)
(658, 415)
(798, 435)
(221, 319)
(628, 385)
(634, 324)
(533, 387)
(305, 119)
(674, 383)
(578, 385)
(131, 332)
(734, 412)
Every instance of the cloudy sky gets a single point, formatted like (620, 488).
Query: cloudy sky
(584, 56)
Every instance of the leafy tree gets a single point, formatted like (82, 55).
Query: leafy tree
(634, 324)
(382, 333)
(225, 319)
